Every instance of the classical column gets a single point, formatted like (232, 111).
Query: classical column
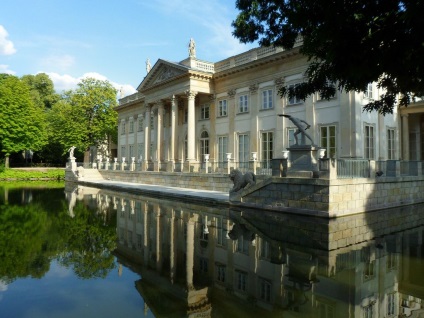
(173, 133)
(159, 135)
(254, 112)
(405, 137)
(191, 125)
(147, 137)
(382, 144)
(231, 126)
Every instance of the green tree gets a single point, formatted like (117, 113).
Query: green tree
(42, 89)
(22, 123)
(85, 116)
(350, 43)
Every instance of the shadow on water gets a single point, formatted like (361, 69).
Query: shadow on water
(194, 260)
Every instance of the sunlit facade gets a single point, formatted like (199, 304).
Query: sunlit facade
(185, 112)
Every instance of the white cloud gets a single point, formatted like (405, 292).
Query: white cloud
(58, 62)
(6, 46)
(5, 69)
(64, 82)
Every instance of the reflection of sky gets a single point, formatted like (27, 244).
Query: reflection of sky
(3, 288)
(62, 294)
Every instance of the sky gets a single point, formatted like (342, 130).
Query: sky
(110, 39)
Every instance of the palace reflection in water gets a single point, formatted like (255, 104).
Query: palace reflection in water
(201, 261)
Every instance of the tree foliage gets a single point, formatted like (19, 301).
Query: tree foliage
(42, 89)
(350, 43)
(22, 123)
(85, 116)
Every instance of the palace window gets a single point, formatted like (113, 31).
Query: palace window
(131, 151)
(203, 265)
(131, 126)
(328, 140)
(204, 144)
(243, 150)
(140, 123)
(369, 142)
(267, 99)
(222, 148)
(368, 93)
(140, 148)
(204, 111)
(267, 143)
(391, 149)
(290, 136)
(123, 151)
(294, 100)
(123, 128)
(391, 305)
(243, 106)
(222, 108)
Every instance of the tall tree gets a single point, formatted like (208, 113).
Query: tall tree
(22, 123)
(350, 43)
(85, 116)
(42, 89)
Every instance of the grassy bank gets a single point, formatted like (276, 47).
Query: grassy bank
(32, 174)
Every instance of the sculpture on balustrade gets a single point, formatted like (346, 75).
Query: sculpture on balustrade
(302, 126)
(241, 180)
(71, 152)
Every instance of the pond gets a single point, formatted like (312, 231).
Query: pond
(77, 251)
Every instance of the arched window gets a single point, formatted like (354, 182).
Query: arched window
(204, 144)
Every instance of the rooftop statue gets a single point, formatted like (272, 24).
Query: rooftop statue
(148, 66)
(302, 126)
(192, 48)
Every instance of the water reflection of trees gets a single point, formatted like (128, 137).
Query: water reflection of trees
(32, 235)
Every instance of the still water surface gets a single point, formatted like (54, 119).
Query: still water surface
(86, 252)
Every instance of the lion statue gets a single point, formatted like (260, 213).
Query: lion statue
(241, 180)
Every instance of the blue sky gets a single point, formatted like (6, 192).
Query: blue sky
(72, 39)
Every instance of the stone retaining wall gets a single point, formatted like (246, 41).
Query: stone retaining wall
(335, 197)
(214, 182)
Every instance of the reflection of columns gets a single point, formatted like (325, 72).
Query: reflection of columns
(147, 134)
(158, 241)
(146, 234)
(190, 252)
(405, 137)
(191, 126)
(172, 265)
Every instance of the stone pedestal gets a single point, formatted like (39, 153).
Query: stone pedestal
(304, 161)
(72, 165)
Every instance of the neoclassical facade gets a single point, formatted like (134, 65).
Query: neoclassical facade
(184, 112)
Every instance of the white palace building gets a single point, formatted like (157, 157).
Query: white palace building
(227, 111)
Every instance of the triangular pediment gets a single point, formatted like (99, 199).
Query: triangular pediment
(162, 71)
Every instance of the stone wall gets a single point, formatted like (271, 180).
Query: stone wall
(214, 182)
(332, 198)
